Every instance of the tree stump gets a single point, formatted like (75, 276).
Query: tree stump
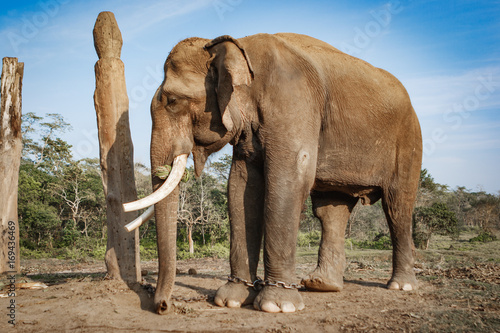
(10, 159)
(116, 150)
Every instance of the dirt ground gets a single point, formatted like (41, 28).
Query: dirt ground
(79, 298)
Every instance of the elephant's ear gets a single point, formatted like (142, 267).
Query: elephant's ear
(234, 76)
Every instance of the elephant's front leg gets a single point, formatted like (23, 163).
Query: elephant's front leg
(246, 199)
(333, 210)
(287, 186)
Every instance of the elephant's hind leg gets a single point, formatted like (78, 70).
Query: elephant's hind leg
(333, 210)
(398, 210)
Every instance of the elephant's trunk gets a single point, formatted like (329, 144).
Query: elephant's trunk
(166, 230)
(165, 199)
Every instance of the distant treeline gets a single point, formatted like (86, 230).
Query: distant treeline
(62, 206)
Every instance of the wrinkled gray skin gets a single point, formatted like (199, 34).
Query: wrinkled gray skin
(303, 118)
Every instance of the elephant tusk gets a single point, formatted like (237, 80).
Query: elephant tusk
(168, 186)
(148, 214)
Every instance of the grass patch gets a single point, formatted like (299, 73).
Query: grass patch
(81, 252)
(483, 237)
(219, 251)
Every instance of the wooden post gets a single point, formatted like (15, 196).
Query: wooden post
(10, 159)
(116, 150)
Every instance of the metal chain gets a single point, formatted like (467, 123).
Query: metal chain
(259, 283)
(190, 299)
(255, 284)
(151, 289)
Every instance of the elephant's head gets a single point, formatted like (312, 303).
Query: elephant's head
(198, 109)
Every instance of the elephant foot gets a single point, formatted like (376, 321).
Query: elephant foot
(163, 305)
(234, 295)
(276, 299)
(402, 282)
(319, 281)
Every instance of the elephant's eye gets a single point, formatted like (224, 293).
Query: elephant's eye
(174, 104)
(171, 100)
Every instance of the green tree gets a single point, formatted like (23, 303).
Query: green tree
(61, 201)
(82, 195)
(202, 209)
(460, 202)
(428, 220)
(39, 221)
(221, 167)
(484, 211)
(429, 191)
(41, 144)
(44, 157)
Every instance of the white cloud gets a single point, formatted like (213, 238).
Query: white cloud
(65, 25)
(136, 17)
(474, 90)
(460, 120)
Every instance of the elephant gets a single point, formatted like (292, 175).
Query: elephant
(304, 119)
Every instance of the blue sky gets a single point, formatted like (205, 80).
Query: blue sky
(446, 53)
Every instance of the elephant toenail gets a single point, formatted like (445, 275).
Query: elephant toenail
(407, 287)
(393, 286)
(233, 304)
(270, 307)
(301, 307)
(287, 307)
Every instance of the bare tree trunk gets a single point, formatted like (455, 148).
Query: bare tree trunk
(190, 237)
(351, 219)
(10, 160)
(427, 241)
(116, 150)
